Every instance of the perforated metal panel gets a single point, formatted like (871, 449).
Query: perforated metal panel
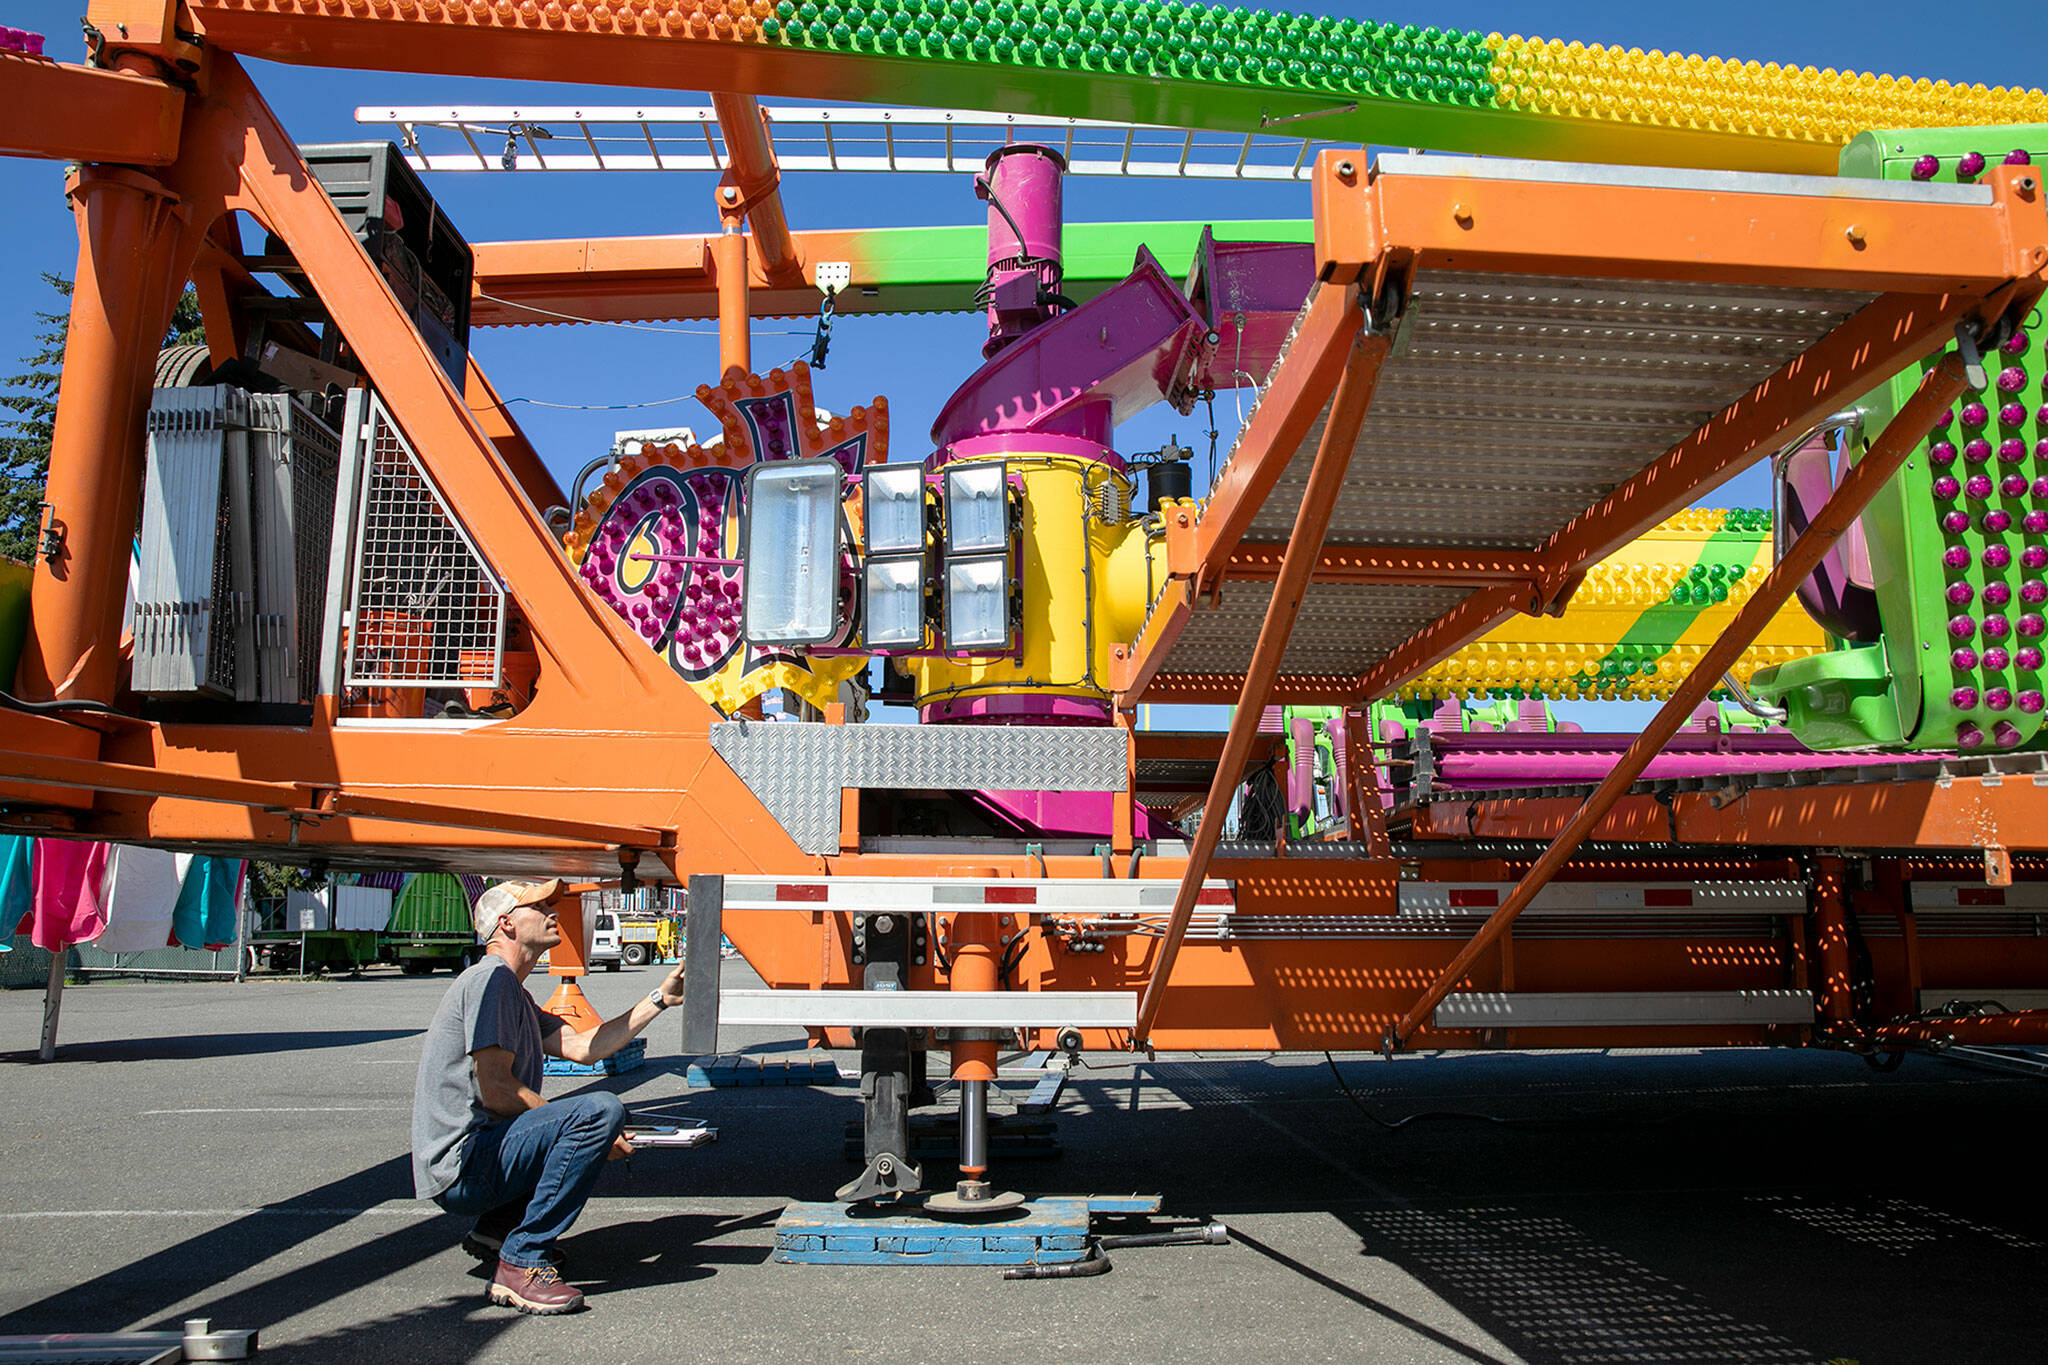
(1341, 629)
(192, 587)
(1513, 402)
(425, 609)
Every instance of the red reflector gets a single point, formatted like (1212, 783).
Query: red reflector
(789, 891)
(1979, 895)
(1667, 896)
(1010, 895)
(1474, 896)
(1214, 896)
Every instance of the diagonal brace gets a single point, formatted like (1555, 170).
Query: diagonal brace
(1843, 506)
(1304, 548)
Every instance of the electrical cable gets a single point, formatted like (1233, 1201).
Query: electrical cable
(47, 707)
(629, 326)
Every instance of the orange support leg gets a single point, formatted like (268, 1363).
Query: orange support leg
(566, 961)
(130, 269)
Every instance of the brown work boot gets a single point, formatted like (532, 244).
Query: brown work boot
(534, 1289)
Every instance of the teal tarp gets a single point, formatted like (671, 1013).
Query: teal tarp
(205, 913)
(16, 898)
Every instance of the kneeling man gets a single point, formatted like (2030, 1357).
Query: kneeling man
(483, 1140)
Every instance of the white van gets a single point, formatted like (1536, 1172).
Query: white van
(606, 944)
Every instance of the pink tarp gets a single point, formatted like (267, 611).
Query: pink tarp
(69, 881)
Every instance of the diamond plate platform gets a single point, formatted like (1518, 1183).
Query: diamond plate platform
(798, 768)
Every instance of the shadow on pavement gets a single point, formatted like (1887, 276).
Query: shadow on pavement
(195, 1047)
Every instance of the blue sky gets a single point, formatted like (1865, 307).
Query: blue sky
(915, 362)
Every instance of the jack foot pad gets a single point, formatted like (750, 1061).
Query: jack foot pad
(887, 1176)
(972, 1199)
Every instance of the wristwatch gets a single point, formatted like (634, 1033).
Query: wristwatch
(654, 999)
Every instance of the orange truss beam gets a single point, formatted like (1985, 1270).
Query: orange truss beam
(80, 113)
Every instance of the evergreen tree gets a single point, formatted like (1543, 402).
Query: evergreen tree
(32, 397)
(25, 445)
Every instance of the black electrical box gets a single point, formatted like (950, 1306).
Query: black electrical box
(420, 254)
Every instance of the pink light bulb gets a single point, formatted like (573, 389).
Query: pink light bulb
(1996, 627)
(1946, 487)
(2011, 379)
(1962, 627)
(1996, 594)
(1978, 486)
(2030, 657)
(2018, 156)
(2035, 522)
(2012, 414)
(2030, 701)
(2012, 450)
(1926, 167)
(2034, 557)
(2040, 489)
(1955, 557)
(1972, 164)
(1944, 452)
(1969, 736)
(1997, 520)
(1975, 414)
(1998, 698)
(1994, 659)
(1955, 523)
(2032, 625)
(1961, 594)
(1996, 556)
(2013, 485)
(1977, 450)
(2034, 592)
(2041, 417)
(1963, 659)
(1963, 699)
(2006, 735)
(2015, 344)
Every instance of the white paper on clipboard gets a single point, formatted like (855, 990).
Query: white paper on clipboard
(682, 1133)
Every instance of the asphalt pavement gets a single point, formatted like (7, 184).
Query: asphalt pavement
(239, 1152)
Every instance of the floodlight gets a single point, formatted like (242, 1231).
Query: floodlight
(792, 552)
(977, 614)
(892, 516)
(977, 508)
(894, 615)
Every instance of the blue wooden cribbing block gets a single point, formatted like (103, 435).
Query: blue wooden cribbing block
(737, 1070)
(1047, 1231)
(631, 1057)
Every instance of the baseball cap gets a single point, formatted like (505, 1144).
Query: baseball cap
(508, 896)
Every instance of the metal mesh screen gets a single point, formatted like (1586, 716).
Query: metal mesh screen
(426, 611)
(295, 461)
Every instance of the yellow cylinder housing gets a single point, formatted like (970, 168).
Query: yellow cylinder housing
(1088, 575)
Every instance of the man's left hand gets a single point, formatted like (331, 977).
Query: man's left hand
(671, 987)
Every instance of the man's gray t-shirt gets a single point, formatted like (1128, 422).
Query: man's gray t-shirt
(486, 1007)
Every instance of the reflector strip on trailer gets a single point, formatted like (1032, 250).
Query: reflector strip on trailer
(2021, 896)
(1621, 1009)
(868, 895)
(1607, 898)
(930, 1009)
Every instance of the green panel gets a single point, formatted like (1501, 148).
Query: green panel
(14, 581)
(937, 269)
(431, 903)
(1959, 540)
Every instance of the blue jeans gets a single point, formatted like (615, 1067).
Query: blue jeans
(548, 1158)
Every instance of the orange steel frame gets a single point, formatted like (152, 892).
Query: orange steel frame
(611, 763)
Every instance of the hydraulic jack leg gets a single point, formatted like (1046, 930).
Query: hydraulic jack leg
(976, 943)
(883, 946)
